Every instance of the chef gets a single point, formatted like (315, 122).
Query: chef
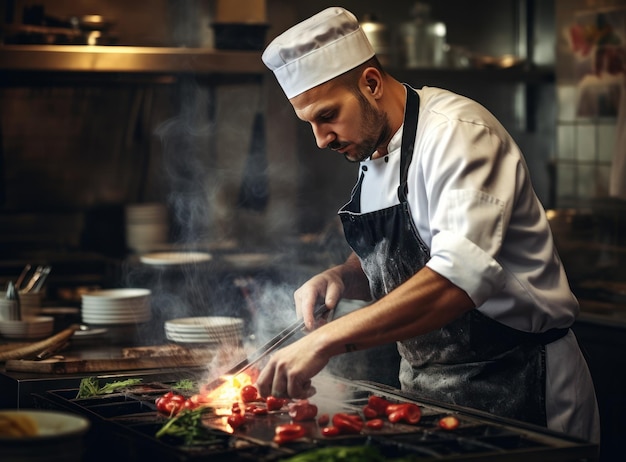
(450, 243)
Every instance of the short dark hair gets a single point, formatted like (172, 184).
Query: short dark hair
(351, 78)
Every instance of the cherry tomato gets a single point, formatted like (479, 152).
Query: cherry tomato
(448, 423)
(249, 393)
(288, 432)
(369, 412)
(347, 423)
(375, 424)
(323, 420)
(235, 407)
(236, 420)
(302, 410)
(378, 404)
(331, 431)
(259, 411)
(408, 412)
(274, 404)
(170, 403)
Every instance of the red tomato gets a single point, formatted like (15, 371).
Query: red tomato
(302, 410)
(323, 420)
(235, 407)
(259, 411)
(331, 431)
(273, 403)
(347, 423)
(236, 420)
(375, 424)
(249, 393)
(369, 412)
(448, 423)
(288, 432)
(170, 403)
(408, 412)
(378, 404)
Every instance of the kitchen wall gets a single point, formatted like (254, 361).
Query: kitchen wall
(75, 152)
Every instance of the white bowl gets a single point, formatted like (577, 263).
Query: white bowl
(28, 328)
(59, 438)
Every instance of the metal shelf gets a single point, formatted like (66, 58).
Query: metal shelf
(128, 59)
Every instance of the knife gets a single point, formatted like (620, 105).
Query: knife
(270, 346)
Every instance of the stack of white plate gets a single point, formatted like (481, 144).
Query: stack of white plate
(146, 226)
(116, 306)
(207, 329)
(174, 258)
(30, 327)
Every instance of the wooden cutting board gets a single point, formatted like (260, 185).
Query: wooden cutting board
(69, 365)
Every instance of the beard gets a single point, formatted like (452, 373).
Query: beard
(376, 129)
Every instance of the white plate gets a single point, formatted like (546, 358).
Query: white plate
(116, 294)
(183, 339)
(245, 260)
(204, 322)
(175, 258)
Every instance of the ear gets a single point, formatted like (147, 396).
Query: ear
(373, 81)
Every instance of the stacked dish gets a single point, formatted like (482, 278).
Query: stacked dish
(30, 327)
(116, 306)
(207, 329)
(147, 226)
(174, 258)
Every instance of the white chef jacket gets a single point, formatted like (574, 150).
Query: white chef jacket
(473, 204)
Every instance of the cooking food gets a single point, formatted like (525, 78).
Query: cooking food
(288, 432)
(15, 424)
(302, 410)
(449, 422)
(249, 393)
(404, 412)
(172, 403)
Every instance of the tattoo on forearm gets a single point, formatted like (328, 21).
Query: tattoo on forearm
(350, 347)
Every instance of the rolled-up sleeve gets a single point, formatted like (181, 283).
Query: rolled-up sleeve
(464, 250)
(470, 183)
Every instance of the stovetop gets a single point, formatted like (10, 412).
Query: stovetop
(127, 422)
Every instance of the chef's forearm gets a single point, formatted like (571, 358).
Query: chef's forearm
(424, 303)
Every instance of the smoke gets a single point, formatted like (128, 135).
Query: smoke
(186, 145)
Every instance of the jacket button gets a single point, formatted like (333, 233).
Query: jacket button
(364, 168)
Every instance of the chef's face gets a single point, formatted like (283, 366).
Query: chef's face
(343, 119)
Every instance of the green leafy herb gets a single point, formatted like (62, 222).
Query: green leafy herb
(90, 387)
(185, 384)
(187, 425)
(342, 454)
(339, 454)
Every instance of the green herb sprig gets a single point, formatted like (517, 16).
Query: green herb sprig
(90, 387)
(187, 425)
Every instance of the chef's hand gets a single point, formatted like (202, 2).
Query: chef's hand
(345, 280)
(326, 287)
(289, 371)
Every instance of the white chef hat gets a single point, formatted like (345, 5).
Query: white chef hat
(316, 50)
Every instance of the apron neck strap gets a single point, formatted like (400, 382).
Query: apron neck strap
(409, 132)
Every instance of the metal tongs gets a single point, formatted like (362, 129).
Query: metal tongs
(271, 345)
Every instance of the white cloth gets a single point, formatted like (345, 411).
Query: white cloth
(472, 202)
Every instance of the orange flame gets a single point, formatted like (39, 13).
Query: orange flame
(229, 391)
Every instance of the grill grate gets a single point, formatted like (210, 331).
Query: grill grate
(131, 420)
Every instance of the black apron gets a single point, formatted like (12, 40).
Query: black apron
(474, 361)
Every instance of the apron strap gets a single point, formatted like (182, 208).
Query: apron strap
(409, 132)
